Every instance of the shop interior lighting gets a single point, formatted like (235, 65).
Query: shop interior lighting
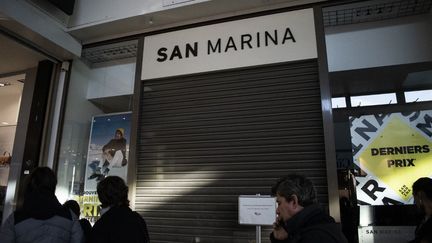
(418, 96)
(338, 102)
(376, 99)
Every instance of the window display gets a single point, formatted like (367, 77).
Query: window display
(96, 129)
(393, 150)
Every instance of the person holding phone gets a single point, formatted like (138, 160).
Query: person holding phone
(299, 217)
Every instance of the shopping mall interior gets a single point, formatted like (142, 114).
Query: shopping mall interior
(378, 63)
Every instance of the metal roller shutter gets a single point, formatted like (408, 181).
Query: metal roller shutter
(206, 139)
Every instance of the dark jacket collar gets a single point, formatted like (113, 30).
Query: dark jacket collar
(309, 216)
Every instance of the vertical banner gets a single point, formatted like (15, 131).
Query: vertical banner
(107, 155)
(392, 150)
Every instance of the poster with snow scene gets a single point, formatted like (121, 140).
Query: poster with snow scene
(108, 149)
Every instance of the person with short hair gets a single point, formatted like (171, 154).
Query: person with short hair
(118, 223)
(41, 218)
(299, 218)
(75, 208)
(422, 192)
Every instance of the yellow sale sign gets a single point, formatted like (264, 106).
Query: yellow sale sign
(394, 150)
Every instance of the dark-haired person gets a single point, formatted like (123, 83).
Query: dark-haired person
(42, 218)
(422, 192)
(118, 223)
(299, 218)
(75, 208)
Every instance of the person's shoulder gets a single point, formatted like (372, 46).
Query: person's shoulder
(18, 216)
(314, 215)
(100, 224)
(427, 230)
(138, 216)
(85, 223)
(112, 215)
(428, 223)
(100, 231)
(66, 213)
(327, 232)
(10, 220)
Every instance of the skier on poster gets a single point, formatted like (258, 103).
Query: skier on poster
(114, 156)
(114, 151)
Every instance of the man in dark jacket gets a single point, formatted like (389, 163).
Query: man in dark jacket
(422, 192)
(299, 218)
(118, 222)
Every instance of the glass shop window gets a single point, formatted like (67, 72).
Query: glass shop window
(96, 130)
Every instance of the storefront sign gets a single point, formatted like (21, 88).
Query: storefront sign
(386, 234)
(394, 150)
(257, 210)
(261, 40)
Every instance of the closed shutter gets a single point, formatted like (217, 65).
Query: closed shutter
(206, 139)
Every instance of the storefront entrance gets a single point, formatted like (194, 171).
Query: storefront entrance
(18, 65)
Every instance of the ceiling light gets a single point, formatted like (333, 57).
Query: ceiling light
(5, 84)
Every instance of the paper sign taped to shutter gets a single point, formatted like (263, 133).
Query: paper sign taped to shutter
(257, 210)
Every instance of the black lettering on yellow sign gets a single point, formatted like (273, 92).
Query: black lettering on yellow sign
(371, 188)
(90, 210)
(404, 190)
(415, 149)
(424, 127)
(88, 199)
(400, 163)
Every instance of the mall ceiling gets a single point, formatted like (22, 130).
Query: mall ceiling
(18, 56)
(15, 57)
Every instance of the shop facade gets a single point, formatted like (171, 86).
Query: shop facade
(222, 108)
